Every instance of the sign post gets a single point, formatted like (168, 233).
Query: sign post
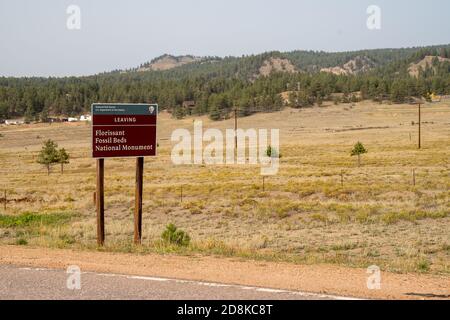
(122, 130)
(138, 200)
(100, 202)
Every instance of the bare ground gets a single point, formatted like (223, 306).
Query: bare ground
(328, 279)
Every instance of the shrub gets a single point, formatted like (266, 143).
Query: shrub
(175, 236)
(423, 265)
(362, 217)
(272, 152)
(21, 242)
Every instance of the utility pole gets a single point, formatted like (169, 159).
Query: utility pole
(420, 126)
(235, 130)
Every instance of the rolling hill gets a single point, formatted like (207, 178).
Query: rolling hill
(253, 83)
(167, 62)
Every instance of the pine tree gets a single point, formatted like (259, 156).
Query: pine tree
(44, 115)
(29, 114)
(63, 158)
(179, 112)
(48, 155)
(214, 113)
(358, 150)
(244, 108)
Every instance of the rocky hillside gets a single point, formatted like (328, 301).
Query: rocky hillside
(252, 67)
(354, 66)
(276, 65)
(427, 62)
(167, 62)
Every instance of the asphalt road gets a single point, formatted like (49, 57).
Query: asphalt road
(46, 284)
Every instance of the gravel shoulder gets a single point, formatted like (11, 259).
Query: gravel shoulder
(322, 279)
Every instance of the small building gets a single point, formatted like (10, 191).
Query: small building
(14, 122)
(85, 118)
(188, 104)
(53, 119)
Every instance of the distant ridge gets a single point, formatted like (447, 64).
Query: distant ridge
(216, 86)
(167, 62)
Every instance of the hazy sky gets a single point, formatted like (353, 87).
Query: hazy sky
(35, 41)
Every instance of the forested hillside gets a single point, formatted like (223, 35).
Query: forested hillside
(216, 85)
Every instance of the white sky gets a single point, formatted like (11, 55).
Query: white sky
(34, 39)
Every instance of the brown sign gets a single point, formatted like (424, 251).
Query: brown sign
(123, 130)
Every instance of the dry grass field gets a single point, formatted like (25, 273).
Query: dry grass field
(304, 215)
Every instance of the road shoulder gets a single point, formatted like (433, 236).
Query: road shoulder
(321, 279)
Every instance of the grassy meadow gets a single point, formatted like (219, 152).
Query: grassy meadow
(304, 215)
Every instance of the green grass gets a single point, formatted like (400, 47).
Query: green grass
(30, 219)
(413, 215)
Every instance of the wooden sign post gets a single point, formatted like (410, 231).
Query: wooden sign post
(100, 202)
(122, 130)
(138, 200)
